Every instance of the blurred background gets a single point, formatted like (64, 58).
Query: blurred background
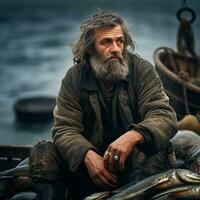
(35, 47)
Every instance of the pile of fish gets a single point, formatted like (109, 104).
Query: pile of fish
(186, 147)
(180, 181)
(172, 184)
(16, 183)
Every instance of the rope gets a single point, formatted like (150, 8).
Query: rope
(170, 52)
(185, 78)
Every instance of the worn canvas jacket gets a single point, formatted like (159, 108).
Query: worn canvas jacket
(139, 100)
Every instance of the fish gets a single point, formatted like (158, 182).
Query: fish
(155, 183)
(10, 185)
(22, 169)
(24, 162)
(195, 165)
(13, 179)
(184, 143)
(186, 146)
(191, 193)
(99, 196)
(16, 171)
(25, 196)
(181, 192)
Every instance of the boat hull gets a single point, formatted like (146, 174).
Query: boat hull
(182, 95)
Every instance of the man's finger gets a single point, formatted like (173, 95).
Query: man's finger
(122, 162)
(115, 161)
(106, 160)
(116, 165)
(105, 183)
(110, 177)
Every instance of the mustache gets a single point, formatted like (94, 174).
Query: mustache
(115, 55)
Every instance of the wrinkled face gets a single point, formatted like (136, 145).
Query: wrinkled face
(108, 61)
(109, 43)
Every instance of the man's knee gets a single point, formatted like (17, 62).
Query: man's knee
(43, 161)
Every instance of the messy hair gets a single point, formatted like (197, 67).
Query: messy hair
(102, 19)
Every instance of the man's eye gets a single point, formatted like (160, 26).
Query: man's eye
(106, 42)
(120, 41)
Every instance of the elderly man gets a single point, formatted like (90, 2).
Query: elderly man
(111, 104)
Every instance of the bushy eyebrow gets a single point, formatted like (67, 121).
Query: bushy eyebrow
(110, 39)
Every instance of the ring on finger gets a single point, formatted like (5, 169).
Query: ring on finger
(116, 158)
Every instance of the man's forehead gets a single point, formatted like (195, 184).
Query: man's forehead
(113, 32)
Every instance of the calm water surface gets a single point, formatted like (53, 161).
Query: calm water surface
(35, 41)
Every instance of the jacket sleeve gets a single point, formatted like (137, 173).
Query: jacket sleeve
(158, 120)
(68, 123)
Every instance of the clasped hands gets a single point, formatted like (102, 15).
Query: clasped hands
(104, 170)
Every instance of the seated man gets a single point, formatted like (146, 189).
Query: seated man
(111, 107)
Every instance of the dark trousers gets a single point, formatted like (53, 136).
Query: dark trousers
(48, 169)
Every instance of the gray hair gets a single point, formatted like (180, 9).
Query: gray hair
(102, 19)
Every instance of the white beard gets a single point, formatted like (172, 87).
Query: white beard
(108, 70)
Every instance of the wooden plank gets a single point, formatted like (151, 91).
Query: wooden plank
(11, 155)
(14, 151)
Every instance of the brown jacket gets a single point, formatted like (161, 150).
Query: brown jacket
(139, 100)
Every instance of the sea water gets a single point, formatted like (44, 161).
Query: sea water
(35, 47)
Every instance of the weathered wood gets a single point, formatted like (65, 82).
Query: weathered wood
(11, 155)
(169, 65)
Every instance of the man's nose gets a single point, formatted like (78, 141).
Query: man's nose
(114, 47)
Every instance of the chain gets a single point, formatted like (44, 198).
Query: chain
(184, 3)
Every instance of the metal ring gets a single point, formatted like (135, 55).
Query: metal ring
(181, 10)
(116, 158)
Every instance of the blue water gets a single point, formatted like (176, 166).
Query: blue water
(35, 47)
